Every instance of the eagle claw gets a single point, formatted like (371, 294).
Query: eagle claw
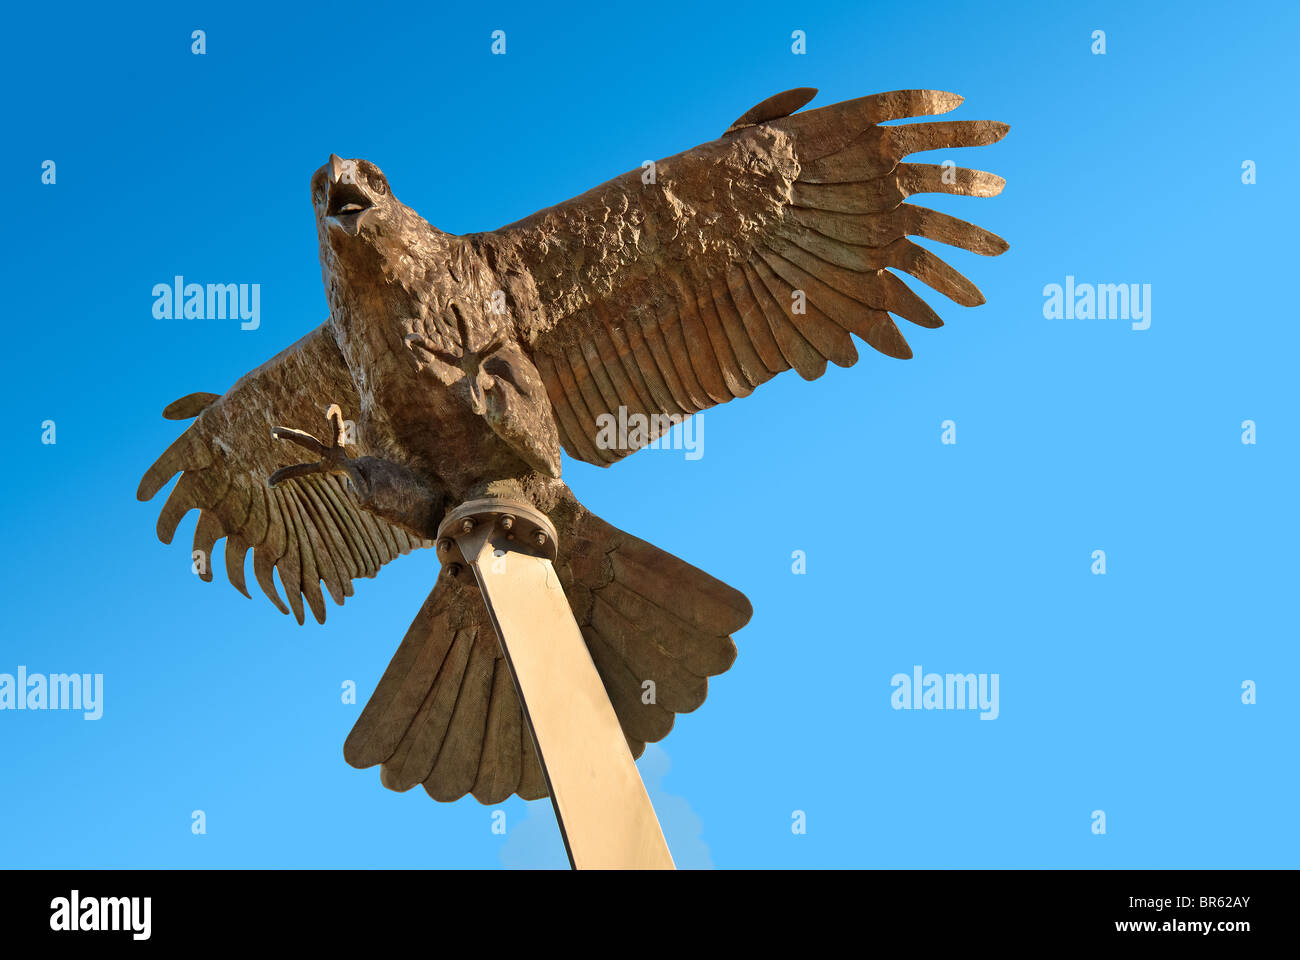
(333, 458)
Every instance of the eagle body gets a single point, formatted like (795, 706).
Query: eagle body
(467, 363)
(408, 304)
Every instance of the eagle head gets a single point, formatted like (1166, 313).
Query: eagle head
(351, 199)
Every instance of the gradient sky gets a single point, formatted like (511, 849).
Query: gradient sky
(1120, 692)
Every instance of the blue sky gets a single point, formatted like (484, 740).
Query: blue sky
(1119, 692)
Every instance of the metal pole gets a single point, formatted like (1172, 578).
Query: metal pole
(605, 816)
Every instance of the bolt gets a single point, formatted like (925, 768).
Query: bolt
(507, 522)
(467, 525)
(539, 538)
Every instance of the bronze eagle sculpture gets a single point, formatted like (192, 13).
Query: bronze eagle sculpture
(453, 367)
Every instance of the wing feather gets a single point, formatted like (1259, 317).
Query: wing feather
(672, 295)
(310, 530)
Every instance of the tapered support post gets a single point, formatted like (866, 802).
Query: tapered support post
(604, 813)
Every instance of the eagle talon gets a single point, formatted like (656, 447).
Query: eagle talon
(333, 458)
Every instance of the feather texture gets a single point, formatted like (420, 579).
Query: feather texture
(310, 530)
(445, 714)
(766, 250)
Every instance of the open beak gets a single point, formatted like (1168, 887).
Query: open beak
(347, 202)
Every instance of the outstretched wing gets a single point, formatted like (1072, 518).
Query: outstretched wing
(687, 283)
(311, 530)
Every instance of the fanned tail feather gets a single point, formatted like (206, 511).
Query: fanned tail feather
(445, 714)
